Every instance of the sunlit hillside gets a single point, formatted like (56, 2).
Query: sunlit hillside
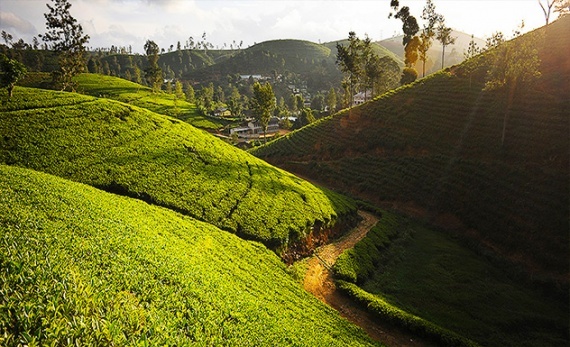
(87, 268)
(434, 151)
(131, 151)
(135, 94)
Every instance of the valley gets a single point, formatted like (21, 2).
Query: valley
(384, 212)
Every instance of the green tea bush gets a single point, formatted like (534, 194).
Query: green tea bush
(79, 266)
(131, 151)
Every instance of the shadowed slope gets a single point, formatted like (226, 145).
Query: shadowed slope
(434, 149)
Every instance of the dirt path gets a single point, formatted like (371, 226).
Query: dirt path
(318, 281)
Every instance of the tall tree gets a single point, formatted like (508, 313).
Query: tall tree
(516, 65)
(349, 59)
(445, 38)
(234, 103)
(153, 73)
(262, 103)
(546, 6)
(331, 100)
(65, 36)
(411, 42)
(11, 71)
(431, 19)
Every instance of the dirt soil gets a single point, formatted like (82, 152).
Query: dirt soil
(319, 281)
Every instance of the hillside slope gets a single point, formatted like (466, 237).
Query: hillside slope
(87, 268)
(132, 151)
(135, 94)
(433, 149)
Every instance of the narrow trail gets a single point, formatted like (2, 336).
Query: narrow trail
(319, 281)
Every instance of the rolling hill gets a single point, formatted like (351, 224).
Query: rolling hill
(131, 151)
(433, 149)
(314, 63)
(135, 94)
(84, 267)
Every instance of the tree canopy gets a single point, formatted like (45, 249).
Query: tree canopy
(262, 104)
(65, 36)
(11, 71)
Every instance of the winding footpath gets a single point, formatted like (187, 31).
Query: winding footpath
(319, 281)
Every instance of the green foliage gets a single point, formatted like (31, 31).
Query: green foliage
(135, 94)
(390, 313)
(409, 75)
(87, 268)
(65, 36)
(153, 72)
(426, 274)
(134, 152)
(11, 71)
(360, 262)
(262, 104)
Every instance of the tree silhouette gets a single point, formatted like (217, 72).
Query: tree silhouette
(65, 36)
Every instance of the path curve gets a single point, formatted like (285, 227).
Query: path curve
(319, 281)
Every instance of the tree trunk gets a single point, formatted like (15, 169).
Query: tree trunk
(510, 99)
(442, 56)
(10, 89)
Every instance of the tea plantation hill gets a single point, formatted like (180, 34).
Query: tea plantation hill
(84, 267)
(119, 89)
(434, 149)
(134, 152)
(135, 94)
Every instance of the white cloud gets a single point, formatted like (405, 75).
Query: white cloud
(20, 26)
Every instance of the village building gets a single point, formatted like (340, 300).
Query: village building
(255, 130)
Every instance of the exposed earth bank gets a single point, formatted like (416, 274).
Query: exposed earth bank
(319, 281)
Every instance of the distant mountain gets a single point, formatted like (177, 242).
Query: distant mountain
(454, 54)
(307, 61)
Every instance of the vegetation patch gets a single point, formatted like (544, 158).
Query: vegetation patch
(420, 279)
(83, 267)
(132, 151)
(495, 161)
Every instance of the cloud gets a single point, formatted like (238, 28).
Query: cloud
(20, 26)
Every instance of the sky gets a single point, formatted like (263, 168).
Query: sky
(132, 22)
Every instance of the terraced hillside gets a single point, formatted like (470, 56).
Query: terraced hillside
(433, 149)
(131, 151)
(119, 89)
(135, 94)
(87, 268)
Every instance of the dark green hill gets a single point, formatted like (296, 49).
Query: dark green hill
(377, 48)
(278, 56)
(132, 151)
(433, 149)
(177, 62)
(86, 268)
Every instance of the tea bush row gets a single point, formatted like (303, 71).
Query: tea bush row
(134, 152)
(79, 266)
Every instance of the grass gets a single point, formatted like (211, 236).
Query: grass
(415, 277)
(134, 152)
(80, 266)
